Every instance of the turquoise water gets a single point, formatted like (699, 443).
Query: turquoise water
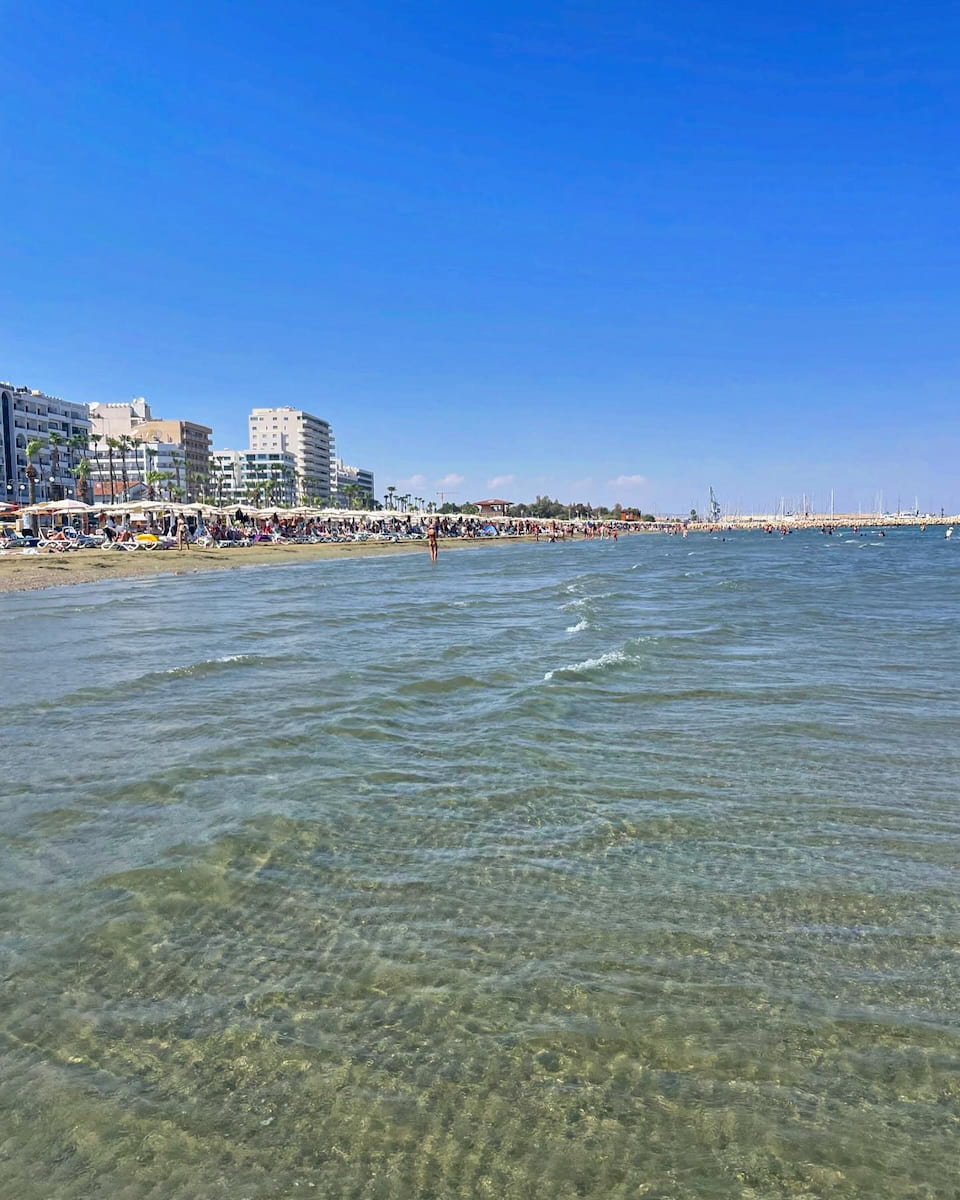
(583, 870)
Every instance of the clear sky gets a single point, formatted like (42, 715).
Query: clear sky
(602, 250)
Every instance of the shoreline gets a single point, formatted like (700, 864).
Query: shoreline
(30, 573)
(39, 572)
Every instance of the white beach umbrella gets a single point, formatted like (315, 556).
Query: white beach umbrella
(69, 506)
(139, 506)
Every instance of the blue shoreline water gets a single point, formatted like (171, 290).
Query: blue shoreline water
(573, 871)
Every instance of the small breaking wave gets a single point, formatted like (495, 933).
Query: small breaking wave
(584, 601)
(589, 666)
(580, 626)
(208, 665)
(108, 692)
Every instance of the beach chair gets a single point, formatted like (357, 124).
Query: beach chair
(84, 541)
(55, 543)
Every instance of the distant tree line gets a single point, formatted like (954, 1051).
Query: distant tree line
(546, 509)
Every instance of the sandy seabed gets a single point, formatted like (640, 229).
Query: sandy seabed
(30, 572)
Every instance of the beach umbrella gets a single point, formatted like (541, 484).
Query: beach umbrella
(70, 506)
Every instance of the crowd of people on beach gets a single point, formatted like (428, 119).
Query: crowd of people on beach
(132, 529)
(183, 527)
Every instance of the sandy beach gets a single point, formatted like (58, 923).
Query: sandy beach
(32, 572)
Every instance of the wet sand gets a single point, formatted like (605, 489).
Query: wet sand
(30, 572)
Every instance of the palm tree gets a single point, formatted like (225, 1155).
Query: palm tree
(113, 444)
(55, 441)
(34, 446)
(271, 489)
(136, 443)
(81, 473)
(390, 490)
(77, 447)
(288, 484)
(95, 439)
(125, 444)
(216, 476)
(153, 478)
(178, 461)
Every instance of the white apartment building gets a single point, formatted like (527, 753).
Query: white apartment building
(267, 475)
(353, 477)
(25, 416)
(307, 438)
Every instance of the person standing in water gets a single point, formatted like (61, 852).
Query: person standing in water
(433, 534)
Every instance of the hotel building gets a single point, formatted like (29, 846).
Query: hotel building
(27, 415)
(346, 476)
(308, 438)
(267, 475)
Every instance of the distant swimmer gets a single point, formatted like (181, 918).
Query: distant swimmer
(949, 532)
(433, 533)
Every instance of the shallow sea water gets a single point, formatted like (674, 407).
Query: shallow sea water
(592, 870)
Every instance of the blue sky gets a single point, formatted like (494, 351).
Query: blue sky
(590, 249)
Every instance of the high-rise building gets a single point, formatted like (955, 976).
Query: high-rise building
(307, 438)
(61, 425)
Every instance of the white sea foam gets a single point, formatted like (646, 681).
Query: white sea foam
(582, 601)
(611, 659)
(580, 626)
